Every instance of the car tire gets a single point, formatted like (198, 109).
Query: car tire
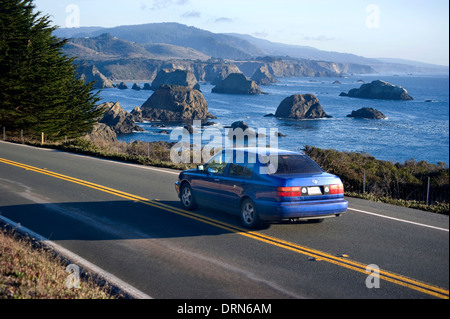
(249, 215)
(187, 197)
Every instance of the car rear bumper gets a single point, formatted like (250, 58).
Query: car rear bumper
(277, 211)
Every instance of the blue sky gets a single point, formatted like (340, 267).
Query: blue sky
(407, 29)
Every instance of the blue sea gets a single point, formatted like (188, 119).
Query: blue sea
(417, 129)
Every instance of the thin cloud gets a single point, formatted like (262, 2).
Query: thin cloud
(224, 20)
(318, 38)
(162, 4)
(191, 14)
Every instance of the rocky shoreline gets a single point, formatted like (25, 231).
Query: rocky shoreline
(177, 98)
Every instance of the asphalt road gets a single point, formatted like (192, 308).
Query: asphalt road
(127, 220)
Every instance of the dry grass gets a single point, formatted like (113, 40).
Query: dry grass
(30, 272)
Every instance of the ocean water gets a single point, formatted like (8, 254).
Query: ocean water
(417, 129)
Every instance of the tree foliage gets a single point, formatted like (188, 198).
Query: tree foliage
(39, 88)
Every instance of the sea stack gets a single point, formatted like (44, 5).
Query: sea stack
(119, 120)
(301, 106)
(175, 77)
(367, 113)
(237, 83)
(173, 103)
(379, 90)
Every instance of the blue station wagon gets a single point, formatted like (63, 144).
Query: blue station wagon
(263, 185)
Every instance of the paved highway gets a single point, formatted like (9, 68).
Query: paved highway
(127, 220)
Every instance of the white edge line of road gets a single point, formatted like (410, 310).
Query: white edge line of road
(397, 219)
(79, 261)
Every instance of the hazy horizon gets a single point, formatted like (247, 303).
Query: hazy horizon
(409, 30)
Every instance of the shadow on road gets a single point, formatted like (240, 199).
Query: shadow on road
(112, 220)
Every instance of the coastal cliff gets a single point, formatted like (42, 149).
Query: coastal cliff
(215, 71)
(118, 58)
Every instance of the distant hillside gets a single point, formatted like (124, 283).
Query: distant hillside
(164, 51)
(165, 41)
(208, 43)
(382, 65)
(302, 52)
(106, 47)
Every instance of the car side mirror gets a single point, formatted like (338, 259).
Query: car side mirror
(200, 168)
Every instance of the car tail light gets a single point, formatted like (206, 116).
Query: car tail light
(289, 191)
(337, 189)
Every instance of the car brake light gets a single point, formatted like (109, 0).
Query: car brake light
(289, 191)
(337, 189)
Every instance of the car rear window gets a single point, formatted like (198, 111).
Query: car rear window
(292, 164)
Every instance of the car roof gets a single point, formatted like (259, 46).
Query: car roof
(266, 151)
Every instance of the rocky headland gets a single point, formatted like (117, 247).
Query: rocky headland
(90, 73)
(215, 72)
(262, 76)
(101, 133)
(115, 120)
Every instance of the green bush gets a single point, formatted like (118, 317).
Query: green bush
(403, 184)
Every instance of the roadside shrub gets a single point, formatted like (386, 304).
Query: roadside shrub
(387, 180)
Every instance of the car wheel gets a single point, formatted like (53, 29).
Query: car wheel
(187, 197)
(249, 215)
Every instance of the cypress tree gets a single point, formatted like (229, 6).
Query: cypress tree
(39, 88)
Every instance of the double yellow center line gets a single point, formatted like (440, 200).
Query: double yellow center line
(318, 255)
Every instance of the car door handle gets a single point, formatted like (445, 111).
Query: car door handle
(217, 179)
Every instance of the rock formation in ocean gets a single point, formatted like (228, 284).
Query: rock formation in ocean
(237, 83)
(119, 120)
(122, 86)
(175, 77)
(379, 90)
(136, 114)
(367, 113)
(301, 106)
(240, 130)
(175, 103)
